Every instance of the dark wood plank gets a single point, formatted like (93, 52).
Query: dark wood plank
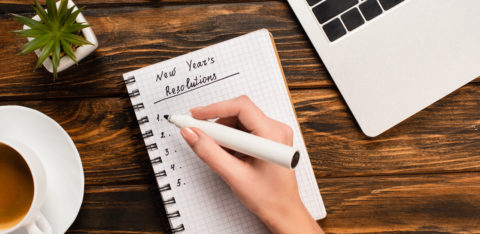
(121, 209)
(424, 203)
(358, 176)
(442, 138)
(120, 195)
(134, 37)
(18, 5)
(22, 6)
(441, 203)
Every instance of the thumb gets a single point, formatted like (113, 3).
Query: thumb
(225, 164)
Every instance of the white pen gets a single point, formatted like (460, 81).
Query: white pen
(241, 141)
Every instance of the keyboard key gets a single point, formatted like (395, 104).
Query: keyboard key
(352, 19)
(334, 29)
(387, 4)
(313, 2)
(370, 9)
(331, 8)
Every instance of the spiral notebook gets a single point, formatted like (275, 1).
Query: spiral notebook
(195, 198)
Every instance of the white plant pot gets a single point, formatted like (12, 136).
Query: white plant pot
(80, 53)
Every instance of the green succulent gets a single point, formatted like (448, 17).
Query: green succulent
(55, 34)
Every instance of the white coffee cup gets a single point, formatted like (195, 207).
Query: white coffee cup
(34, 221)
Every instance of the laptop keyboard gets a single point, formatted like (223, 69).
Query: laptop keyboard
(338, 17)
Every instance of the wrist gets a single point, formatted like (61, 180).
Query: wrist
(292, 218)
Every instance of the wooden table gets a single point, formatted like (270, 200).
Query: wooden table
(422, 175)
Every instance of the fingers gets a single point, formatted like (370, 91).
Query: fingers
(241, 107)
(283, 133)
(226, 165)
(229, 121)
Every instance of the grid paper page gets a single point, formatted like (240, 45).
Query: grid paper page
(244, 65)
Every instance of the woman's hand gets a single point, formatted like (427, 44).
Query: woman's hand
(268, 190)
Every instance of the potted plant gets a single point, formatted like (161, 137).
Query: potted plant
(59, 35)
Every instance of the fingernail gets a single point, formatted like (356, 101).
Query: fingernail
(198, 108)
(189, 135)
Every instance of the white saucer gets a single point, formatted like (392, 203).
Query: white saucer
(59, 156)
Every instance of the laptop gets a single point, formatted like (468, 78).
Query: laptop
(393, 58)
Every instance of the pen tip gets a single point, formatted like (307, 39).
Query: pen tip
(166, 117)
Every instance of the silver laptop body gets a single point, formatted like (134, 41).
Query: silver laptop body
(400, 59)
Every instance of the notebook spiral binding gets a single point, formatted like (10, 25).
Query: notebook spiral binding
(134, 93)
(180, 228)
(161, 174)
(129, 81)
(147, 134)
(143, 120)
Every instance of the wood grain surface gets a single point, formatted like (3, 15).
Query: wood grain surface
(131, 37)
(110, 3)
(22, 6)
(361, 179)
(443, 138)
(421, 176)
(134, 37)
(446, 203)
